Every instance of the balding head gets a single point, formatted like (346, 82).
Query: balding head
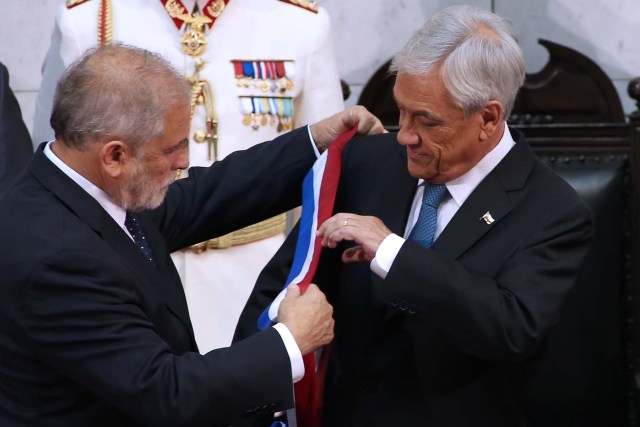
(116, 92)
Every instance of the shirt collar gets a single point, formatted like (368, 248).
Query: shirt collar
(116, 212)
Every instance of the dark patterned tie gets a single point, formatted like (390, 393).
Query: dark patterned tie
(135, 229)
(425, 227)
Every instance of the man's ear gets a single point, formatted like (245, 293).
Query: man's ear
(491, 119)
(114, 157)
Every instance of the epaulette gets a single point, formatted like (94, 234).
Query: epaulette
(309, 5)
(74, 3)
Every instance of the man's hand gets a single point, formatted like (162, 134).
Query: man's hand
(367, 231)
(308, 317)
(327, 130)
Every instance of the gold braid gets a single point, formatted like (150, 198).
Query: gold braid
(105, 22)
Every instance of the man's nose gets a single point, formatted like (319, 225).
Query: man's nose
(182, 161)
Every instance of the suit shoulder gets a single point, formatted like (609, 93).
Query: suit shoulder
(73, 3)
(372, 151)
(559, 189)
(369, 142)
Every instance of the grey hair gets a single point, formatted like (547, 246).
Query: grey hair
(116, 92)
(481, 59)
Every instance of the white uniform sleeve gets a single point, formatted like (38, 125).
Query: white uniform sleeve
(52, 69)
(68, 42)
(321, 94)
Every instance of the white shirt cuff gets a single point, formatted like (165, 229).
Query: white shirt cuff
(386, 254)
(297, 365)
(313, 143)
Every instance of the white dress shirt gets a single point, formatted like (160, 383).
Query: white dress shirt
(118, 214)
(458, 191)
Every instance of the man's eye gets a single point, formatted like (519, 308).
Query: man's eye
(182, 145)
(429, 123)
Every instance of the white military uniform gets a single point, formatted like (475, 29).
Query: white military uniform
(257, 35)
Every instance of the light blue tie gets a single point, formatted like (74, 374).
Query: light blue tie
(425, 227)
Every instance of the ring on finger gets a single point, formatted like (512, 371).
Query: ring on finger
(345, 222)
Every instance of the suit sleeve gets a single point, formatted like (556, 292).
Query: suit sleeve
(245, 187)
(15, 143)
(268, 285)
(503, 317)
(88, 324)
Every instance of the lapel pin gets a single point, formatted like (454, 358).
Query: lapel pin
(488, 218)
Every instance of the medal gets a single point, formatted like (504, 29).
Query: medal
(247, 109)
(193, 41)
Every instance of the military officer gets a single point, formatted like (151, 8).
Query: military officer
(257, 68)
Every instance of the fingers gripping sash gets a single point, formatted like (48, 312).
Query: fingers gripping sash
(318, 197)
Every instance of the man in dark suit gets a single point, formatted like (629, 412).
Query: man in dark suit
(94, 327)
(15, 142)
(453, 246)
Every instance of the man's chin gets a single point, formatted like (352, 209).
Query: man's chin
(419, 172)
(150, 203)
(157, 201)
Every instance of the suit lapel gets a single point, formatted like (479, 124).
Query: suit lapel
(69, 193)
(157, 274)
(467, 226)
(491, 196)
(175, 298)
(392, 196)
(162, 279)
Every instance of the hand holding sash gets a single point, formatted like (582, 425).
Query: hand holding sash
(308, 317)
(326, 131)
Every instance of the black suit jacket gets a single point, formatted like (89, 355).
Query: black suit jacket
(15, 142)
(93, 334)
(451, 336)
